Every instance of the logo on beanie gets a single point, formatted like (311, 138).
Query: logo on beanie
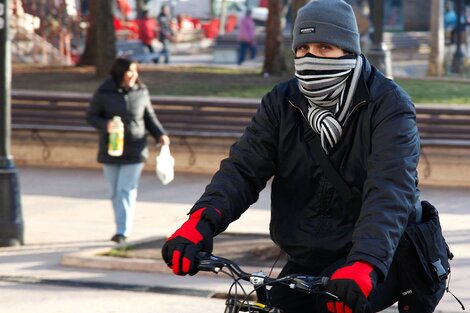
(307, 30)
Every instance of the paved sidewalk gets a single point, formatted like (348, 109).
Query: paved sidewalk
(66, 211)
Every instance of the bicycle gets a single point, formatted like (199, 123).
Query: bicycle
(260, 281)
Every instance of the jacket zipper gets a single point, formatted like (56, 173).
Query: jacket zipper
(290, 102)
(360, 104)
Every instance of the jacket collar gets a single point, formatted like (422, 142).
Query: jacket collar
(362, 90)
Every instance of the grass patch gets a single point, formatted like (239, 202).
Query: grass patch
(217, 70)
(211, 81)
(121, 252)
(431, 91)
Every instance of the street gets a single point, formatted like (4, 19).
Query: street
(27, 298)
(67, 210)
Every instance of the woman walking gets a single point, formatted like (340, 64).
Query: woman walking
(122, 95)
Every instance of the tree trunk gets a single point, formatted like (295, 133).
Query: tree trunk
(296, 5)
(273, 56)
(222, 17)
(212, 9)
(140, 7)
(288, 53)
(100, 49)
(88, 55)
(436, 39)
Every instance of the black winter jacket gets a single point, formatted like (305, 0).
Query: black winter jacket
(136, 111)
(377, 154)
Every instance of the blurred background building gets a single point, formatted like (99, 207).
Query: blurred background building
(53, 31)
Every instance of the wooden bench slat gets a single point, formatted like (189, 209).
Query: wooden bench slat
(447, 129)
(44, 107)
(173, 128)
(224, 114)
(444, 121)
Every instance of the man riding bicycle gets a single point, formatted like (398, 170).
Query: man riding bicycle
(366, 125)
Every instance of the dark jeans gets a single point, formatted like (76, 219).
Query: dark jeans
(244, 47)
(151, 50)
(292, 301)
(166, 50)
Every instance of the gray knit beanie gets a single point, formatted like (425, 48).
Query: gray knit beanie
(327, 21)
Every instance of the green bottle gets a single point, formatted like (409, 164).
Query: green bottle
(116, 137)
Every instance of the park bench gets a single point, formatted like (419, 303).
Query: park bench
(407, 45)
(444, 125)
(181, 116)
(439, 125)
(135, 50)
(226, 48)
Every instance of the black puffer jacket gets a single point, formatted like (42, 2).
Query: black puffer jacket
(136, 111)
(377, 154)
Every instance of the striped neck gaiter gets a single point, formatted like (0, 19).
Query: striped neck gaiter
(328, 84)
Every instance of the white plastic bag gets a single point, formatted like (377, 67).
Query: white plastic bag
(165, 165)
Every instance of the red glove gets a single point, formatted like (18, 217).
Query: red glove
(352, 284)
(195, 235)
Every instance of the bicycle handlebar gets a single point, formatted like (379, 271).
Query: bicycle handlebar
(302, 283)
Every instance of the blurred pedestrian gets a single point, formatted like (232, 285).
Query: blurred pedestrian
(124, 95)
(148, 30)
(167, 35)
(124, 9)
(450, 23)
(246, 37)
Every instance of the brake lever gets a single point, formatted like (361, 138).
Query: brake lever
(208, 263)
(309, 285)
